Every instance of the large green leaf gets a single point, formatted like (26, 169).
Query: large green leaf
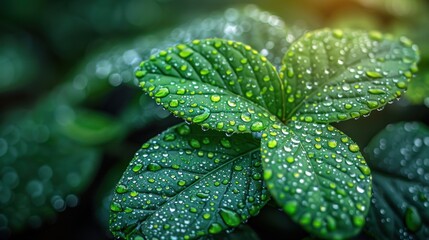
(335, 75)
(220, 84)
(188, 183)
(399, 158)
(318, 176)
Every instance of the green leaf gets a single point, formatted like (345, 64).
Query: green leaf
(42, 172)
(188, 183)
(318, 176)
(335, 75)
(219, 84)
(399, 159)
(91, 128)
(418, 89)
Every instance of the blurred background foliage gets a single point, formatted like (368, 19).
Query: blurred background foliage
(71, 117)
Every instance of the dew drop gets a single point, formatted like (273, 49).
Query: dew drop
(413, 220)
(230, 217)
(376, 91)
(202, 195)
(140, 74)
(186, 53)
(232, 103)
(358, 220)
(194, 143)
(257, 126)
(332, 143)
(272, 143)
(353, 147)
(181, 183)
(332, 224)
(245, 117)
(121, 188)
(401, 85)
(290, 207)
(375, 35)
(338, 33)
(365, 169)
(215, 98)
(162, 92)
(180, 91)
(115, 207)
(215, 228)
(202, 117)
(183, 130)
(268, 173)
(225, 143)
(373, 74)
(174, 103)
(372, 104)
(153, 167)
(137, 167)
(204, 71)
(169, 137)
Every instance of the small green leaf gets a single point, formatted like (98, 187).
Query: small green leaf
(219, 84)
(318, 176)
(188, 183)
(399, 158)
(335, 75)
(91, 128)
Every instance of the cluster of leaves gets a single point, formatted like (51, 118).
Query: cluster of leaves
(263, 134)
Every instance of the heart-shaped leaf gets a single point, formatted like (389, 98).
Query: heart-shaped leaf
(220, 84)
(318, 176)
(188, 183)
(399, 159)
(335, 75)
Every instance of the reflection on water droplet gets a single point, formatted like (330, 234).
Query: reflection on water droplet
(121, 189)
(358, 220)
(353, 147)
(137, 167)
(202, 117)
(230, 217)
(413, 221)
(373, 74)
(290, 207)
(162, 92)
(153, 167)
(115, 207)
(257, 126)
(215, 98)
(215, 228)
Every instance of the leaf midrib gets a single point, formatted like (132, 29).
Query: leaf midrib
(200, 179)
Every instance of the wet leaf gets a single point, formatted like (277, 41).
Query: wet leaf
(262, 30)
(318, 176)
(91, 128)
(41, 172)
(220, 84)
(187, 183)
(335, 75)
(399, 158)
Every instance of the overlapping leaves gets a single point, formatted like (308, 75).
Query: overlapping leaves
(399, 158)
(312, 170)
(188, 183)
